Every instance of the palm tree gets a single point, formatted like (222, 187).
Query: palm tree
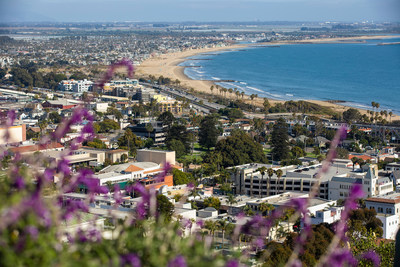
(279, 173)
(149, 128)
(230, 90)
(211, 226)
(237, 95)
(262, 172)
(242, 94)
(222, 224)
(270, 173)
(266, 207)
(390, 114)
(231, 200)
(212, 88)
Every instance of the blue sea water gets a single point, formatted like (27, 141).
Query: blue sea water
(357, 73)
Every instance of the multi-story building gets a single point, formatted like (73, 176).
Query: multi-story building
(158, 132)
(79, 86)
(388, 211)
(340, 185)
(170, 105)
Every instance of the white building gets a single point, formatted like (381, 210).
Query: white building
(388, 209)
(327, 215)
(340, 185)
(75, 86)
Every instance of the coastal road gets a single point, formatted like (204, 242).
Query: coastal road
(198, 103)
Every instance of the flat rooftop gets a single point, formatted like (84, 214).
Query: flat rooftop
(393, 198)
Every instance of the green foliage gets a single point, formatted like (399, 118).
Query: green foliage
(369, 242)
(351, 115)
(3, 72)
(208, 133)
(280, 140)
(364, 220)
(130, 142)
(106, 126)
(212, 202)
(78, 75)
(237, 149)
(231, 113)
(342, 153)
(178, 139)
(181, 177)
(165, 207)
(96, 143)
(55, 117)
(167, 118)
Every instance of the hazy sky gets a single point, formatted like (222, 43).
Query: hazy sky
(199, 10)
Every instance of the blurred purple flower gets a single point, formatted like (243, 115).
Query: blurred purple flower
(339, 258)
(373, 257)
(110, 72)
(32, 231)
(179, 261)
(232, 263)
(130, 260)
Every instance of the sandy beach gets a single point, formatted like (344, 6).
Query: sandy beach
(167, 66)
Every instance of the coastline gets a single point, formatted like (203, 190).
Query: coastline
(167, 66)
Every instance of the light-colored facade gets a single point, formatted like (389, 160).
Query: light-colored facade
(157, 156)
(79, 86)
(388, 209)
(339, 186)
(327, 215)
(16, 134)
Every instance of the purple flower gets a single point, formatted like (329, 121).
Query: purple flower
(130, 260)
(19, 182)
(110, 72)
(179, 261)
(296, 263)
(373, 257)
(32, 231)
(232, 263)
(340, 257)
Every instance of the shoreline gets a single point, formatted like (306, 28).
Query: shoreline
(167, 65)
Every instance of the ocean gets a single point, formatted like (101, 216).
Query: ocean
(357, 73)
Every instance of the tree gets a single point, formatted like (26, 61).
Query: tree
(130, 142)
(270, 173)
(351, 115)
(165, 207)
(149, 129)
(212, 226)
(364, 220)
(266, 208)
(96, 143)
(239, 148)
(208, 133)
(280, 141)
(178, 133)
(222, 225)
(279, 173)
(297, 152)
(55, 117)
(354, 160)
(213, 202)
(106, 126)
(167, 118)
(180, 177)
(342, 153)
(262, 171)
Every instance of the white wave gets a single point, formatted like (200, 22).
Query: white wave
(243, 83)
(289, 94)
(255, 89)
(215, 78)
